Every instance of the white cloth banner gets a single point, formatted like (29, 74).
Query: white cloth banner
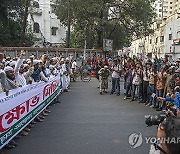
(23, 104)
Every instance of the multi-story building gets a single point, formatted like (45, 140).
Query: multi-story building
(166, 37)
(177, 6)
(158, 8)
(172, 37)
(169, 7)
(44, 23)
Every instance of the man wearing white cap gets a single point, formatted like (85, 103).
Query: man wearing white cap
(19, 70)
(10, 78)
(68, 71)
(28, 70)
(53, 72)
(8, 81)
(63, 72)
(12, 64)
(103, 79)
(38, 75)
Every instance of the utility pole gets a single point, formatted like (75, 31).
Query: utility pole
(68, 26)
(27, 3)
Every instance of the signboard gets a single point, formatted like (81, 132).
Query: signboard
(23, 104)
(107, 45)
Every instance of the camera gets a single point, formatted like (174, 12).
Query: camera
(151, 120)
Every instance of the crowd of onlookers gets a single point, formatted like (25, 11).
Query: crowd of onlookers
(145, 80)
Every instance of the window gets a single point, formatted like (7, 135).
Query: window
(158, 25)
(156, 39)
(36, 27)
(35, 4)
(162, 39)
(160, 10)
(54, 30)
(150, 41)
(53, 9)
(171, 2)
(170, 36)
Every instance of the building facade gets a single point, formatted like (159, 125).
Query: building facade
(158, 8)
(169, 7)
(166, 37)
(44, 23)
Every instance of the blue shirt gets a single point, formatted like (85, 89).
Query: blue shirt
(176, 100)
(36, 75)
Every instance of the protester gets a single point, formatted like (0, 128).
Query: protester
(19, 72)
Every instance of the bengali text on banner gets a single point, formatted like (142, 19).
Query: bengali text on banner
(22, 105)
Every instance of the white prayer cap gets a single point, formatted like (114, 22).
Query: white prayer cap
(105, 66)
(62, 59)
(25, 65)
(51, 67)
(8, 58)
(8, 68)
(35, 61)
(29, 61)
(54, 58)
(67, 59)
(13, 63)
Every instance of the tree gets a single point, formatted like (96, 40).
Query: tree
(12, 24)
(94, 20)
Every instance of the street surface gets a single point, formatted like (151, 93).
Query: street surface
(88, 123)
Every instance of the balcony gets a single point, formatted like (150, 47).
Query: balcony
(176, 42)
(36, 11)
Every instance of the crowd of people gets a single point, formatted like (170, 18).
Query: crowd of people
(145, 80)
(156, 84)
(19, 71)
(152, 82)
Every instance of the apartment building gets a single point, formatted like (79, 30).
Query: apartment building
(166, 37)
(177, 6)
(158, 8)
(169, 7)
(45, 25)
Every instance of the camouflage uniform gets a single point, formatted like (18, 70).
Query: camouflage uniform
(103, 78)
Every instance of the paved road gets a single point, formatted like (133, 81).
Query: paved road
(88, 123)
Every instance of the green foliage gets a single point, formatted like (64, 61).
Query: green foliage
(11, 23)
(90, 20)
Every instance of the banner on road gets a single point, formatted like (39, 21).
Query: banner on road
(22, 105)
